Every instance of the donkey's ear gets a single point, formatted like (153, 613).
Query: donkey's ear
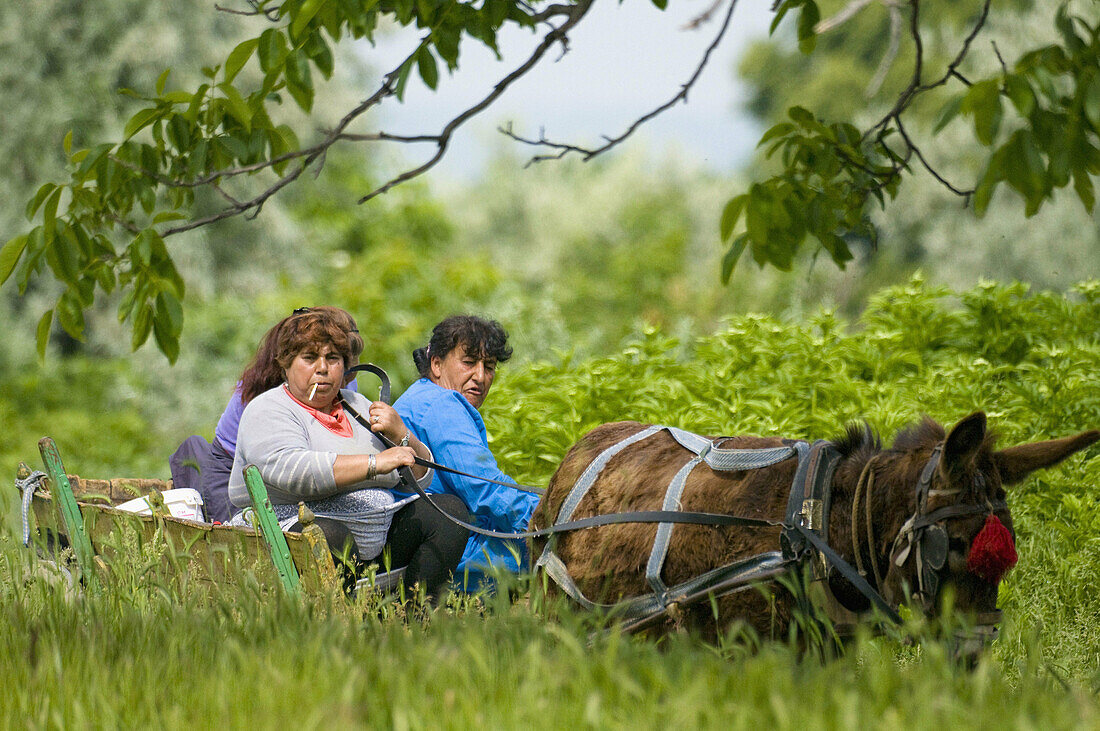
(1016, 463)
(963, 442)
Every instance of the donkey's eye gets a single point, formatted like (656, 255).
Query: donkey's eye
(957, 545)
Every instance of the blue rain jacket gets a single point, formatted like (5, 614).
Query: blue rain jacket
(453, 429)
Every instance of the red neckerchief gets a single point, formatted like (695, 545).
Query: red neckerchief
(337, 422)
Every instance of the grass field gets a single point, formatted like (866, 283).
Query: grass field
(146, 652)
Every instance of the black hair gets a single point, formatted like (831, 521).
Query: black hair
(484, 339)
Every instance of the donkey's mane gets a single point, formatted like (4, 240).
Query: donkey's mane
(925, 433)
(859, 441)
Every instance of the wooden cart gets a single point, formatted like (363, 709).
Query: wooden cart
(68, 510)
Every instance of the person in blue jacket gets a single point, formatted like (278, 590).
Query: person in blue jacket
(457, 370)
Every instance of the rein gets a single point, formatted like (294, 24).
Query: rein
(384, 395)
(864, 485)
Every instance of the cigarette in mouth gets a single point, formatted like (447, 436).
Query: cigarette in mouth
(313, 391)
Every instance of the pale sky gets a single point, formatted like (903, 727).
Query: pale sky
(624, 60)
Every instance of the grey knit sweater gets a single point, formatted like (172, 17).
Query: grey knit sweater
(295, 453)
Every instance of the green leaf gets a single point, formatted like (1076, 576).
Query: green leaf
(9, 256)
(168, 344)
(949, 111)
(779, 130)
(305, 14)
(192, 113)
(321, 54)
(32, 255)
(1020, 93)
(282, 140)
(178, 97)
(70, 315)
(1092, 102)
(167, 325)
(42, 333)
(141, 249)
(49, 214)
(172, 311)
(92, 159)
(141, 120)
(1064, 23)
(983, 191)
(238, 57)
(729, 261)
(64, 257)
(143, 323)
(126, 304)
(803, 117)
(299, 82)
(807, 20)
(730, 214)
(162, 80)
(238, 107)
(1082, 184)
(837, 248)
(983, 100)
(104, 276)
(67, 143)
(425, 61)
(272, 50)
(35, 203)
(402, 79)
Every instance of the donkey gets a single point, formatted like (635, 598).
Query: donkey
(925, 514)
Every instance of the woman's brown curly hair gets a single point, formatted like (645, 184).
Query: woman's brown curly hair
(308, 325)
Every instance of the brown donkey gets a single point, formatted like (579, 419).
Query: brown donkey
(926, 513)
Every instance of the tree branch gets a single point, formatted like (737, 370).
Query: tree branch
(703, 17)
(845, 14)
(557, 35)
(891, 53)
(589, 153)
(925, 164)
(915, 88)
(271, 14)
(309, 156)
(306, 159)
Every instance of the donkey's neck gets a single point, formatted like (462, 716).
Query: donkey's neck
(883, 482)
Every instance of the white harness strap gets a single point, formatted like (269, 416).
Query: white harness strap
(717, 459)
(588, 477)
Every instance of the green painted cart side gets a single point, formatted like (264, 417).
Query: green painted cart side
(82, 514)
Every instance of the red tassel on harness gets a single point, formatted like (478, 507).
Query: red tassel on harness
(993, 552)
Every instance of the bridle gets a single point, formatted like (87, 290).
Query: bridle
(923, 535)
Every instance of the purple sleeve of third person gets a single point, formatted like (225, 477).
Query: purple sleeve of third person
(225, 433)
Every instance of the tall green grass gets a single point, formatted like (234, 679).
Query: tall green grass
(146, 651)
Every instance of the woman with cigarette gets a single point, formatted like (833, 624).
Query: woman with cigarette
(206, 466)
(309, 447)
